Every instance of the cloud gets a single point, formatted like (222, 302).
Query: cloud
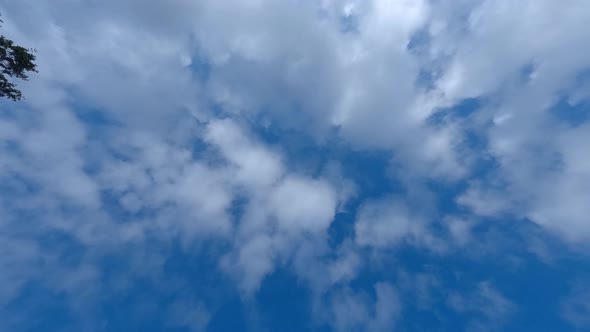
(491, 306)
(529, 158)
(281, 208)
(151, 124)
(189, 314)
(575, 307)
(352, 311)
(389, 223)
(257, 168)
(386, 223)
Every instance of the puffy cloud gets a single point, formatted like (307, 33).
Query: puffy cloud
(281, 209)
(257, 168)
(307, 205)
(385, 223)
(566, 186)
(142, 126)
(525, 137)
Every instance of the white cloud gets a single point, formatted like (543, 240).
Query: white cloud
(527, 143)
(258, 168)
(484, 200)
(485, 300)
(566, 185)
(282, 208)
(575, 307)
(291, 64)
(387, 223)
(190, 314)
(306, 205)
(352, 311)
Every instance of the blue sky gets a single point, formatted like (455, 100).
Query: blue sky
(297, 165)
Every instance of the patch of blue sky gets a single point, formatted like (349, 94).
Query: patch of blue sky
(200, 67)
(348, 23)
(284, 303)
(571, 113)
(572, 106)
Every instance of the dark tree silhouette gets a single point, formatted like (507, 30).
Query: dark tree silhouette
(15, 61)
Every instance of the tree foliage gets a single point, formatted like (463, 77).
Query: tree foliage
(15, 62)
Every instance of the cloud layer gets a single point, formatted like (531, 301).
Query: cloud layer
(338, 142)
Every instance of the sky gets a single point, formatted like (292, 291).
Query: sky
(297, 165)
